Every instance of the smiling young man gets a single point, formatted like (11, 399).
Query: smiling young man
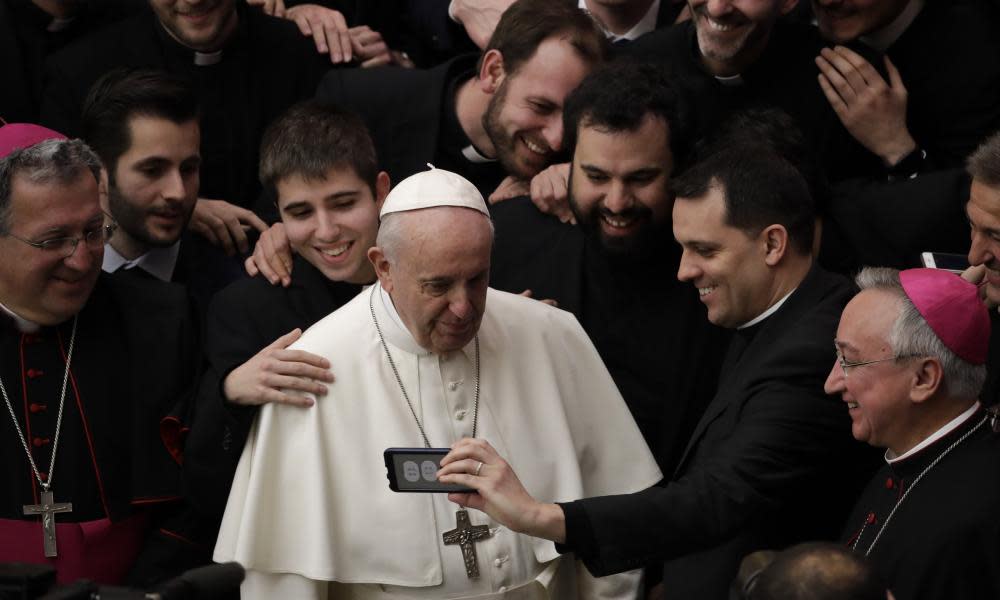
(771, 460)
(911, 349)
(615, 271)
(488, 117)
(322, 166)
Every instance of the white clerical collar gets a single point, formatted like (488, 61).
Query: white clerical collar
(730, 81)
(23, 325)
(158, 262)
(207, 59)
(395, 330)
(882, 38)
(59, 24)
(767, 313)
(473, 155)
(646, 24)
(890, 456)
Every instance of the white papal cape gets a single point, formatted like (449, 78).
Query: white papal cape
(311, 504)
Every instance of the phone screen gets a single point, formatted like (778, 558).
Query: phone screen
(415, 470)
(950, 262)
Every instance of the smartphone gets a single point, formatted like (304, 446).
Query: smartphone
(415, 470)
(956, 263)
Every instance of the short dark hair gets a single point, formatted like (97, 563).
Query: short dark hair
(984, 163)
(760, 189)
(781, 133)
(618, 96)
(817, 571)
(130, 92)
(527, 23)
(313, 137)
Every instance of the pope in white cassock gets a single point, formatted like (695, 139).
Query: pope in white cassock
(426, 357)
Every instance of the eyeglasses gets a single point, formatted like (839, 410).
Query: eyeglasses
(846, 364)
(66, 246)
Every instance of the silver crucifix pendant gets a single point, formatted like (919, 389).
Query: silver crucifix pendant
(466, 535)
(48, 509)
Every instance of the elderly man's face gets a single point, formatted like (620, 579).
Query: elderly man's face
(842, 21)
(726, 265)
(524, 116)
(618, 183)
(156, 180)
(876, 394)
(439, 278)
(42, 285)
(983, 210)
(732, 32)
(202, 25)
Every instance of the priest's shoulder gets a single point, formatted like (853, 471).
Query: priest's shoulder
(343, 328)
(660, 45)
(105, 47)
(370, 90)
(526, 316)
(252, 295)
(523, 231)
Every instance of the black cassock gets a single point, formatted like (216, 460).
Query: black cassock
(134, 361)
(943, 542)
(651, 330)
(243, 319)
(264, 68)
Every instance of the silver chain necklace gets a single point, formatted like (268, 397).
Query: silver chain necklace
(48, 507)
(399, 380)
(913, 485)
(62, 401)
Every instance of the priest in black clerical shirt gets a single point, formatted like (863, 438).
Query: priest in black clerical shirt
(246, 66)
(486, 120)
(771, 461)
(616, 271)
(911, 349)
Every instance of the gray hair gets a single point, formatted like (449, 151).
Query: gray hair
(392, 231)
(52, 161)
(911, 335)
(984, 163)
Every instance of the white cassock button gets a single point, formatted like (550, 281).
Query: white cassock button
(502, 589)
(454, 385)
(498, 563)
(460, 414)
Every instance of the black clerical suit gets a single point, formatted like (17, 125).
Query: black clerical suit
(243, 319)
(265, 67)
(650, 329)
(771, 462)
(943, 541)
(134, 362)
(953, 100)
(411, 116)
(783, 77)
(990, 395)
(28, 35)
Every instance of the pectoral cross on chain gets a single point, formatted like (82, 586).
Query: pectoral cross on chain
(466, 535)
(48, 509)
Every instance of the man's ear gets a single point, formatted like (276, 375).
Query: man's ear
(382, 267)
(775, 240)
(102, 190)
(491, 72)
(927, 380)
(382, 184)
